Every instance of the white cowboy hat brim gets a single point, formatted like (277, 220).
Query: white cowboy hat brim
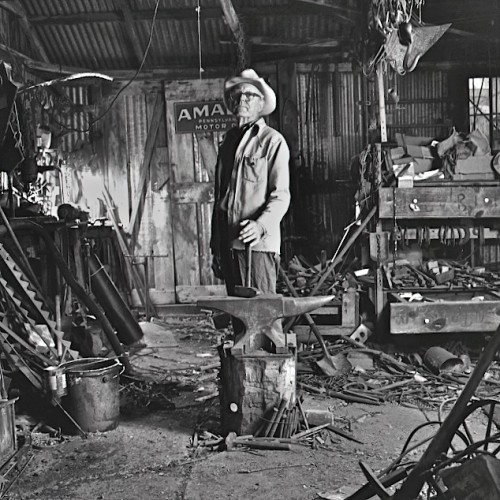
(250, 76)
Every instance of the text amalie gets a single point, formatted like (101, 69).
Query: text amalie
(202, 116)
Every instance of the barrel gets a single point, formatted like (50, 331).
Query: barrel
(93, 399)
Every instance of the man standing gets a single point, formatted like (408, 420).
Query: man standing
(251, 187)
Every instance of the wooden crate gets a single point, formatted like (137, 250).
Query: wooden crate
(337, 318)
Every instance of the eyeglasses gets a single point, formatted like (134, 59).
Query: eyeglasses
(249, 96)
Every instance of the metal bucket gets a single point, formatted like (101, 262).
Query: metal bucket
(93, 399)
(439, 360)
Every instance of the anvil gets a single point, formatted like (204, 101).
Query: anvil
(259, 315)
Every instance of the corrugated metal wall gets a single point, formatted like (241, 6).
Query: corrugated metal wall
(330, 134)
(76, 123)
(331, 109)
(332, 104)
(424, 107)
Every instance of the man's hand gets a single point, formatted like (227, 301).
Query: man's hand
(251, 232)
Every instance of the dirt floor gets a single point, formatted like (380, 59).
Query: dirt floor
(150, 455)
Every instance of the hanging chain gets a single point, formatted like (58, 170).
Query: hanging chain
(198, 13)
(396, 230)
(16, 128)
(379, 248)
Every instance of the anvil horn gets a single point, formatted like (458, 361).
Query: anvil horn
(295, 306)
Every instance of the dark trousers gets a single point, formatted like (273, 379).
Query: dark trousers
(264, 270)
(263, 276)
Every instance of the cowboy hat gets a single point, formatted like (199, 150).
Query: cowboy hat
(251, 77)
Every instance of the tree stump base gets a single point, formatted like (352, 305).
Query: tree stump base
(250, 385)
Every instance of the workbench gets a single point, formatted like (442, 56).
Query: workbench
(450, 220)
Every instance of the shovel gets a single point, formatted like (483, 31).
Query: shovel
(329, 365)
(247, 291)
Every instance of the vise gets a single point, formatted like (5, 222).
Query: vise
(259, 315)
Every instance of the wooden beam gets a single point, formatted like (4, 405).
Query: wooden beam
(345, 13)
(16, 8)
(294, 54)
(277, 42)
(12, 7)
(236, 28)
(140, 194)
(130, 30)
(180, 14)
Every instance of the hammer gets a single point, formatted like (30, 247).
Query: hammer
(247, 291)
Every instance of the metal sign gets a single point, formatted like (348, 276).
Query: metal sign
(204, 116)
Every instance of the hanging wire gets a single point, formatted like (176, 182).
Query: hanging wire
(198, 13)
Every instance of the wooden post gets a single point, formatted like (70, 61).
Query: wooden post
(250, 386)
(381, 103)
(234, 23)
(379, 296)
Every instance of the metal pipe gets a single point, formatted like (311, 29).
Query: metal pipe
(128, 329)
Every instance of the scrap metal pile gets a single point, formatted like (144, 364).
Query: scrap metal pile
(439, 275)
(458, 381)
(431, 380)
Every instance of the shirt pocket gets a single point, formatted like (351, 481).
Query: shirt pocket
(254, 169)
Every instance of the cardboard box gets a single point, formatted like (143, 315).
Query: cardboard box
(402, 161)
(474, 165)
(422, 165)
(405, 140)
(405, 176)
(397, 153)
(481, 176)
(419, 151)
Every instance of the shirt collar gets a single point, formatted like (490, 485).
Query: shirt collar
(256, 126)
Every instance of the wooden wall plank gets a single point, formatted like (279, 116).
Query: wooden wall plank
(185, 229)
(192, 159)
(160, 228)
(190, 294)
(115, 155)
(192, 192)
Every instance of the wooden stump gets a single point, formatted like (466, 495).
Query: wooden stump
(251, 385)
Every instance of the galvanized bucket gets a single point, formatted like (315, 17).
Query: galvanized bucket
(93, 399)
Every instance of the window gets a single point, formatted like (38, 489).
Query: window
(484, 108)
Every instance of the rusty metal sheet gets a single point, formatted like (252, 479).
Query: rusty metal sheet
(444, 317)
(437, 202)
(193, 192)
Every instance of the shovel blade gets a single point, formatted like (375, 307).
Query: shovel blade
(334, 364)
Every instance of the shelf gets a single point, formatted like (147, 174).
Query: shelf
(461, 316)
(440, 202)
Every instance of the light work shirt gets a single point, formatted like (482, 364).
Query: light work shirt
(256, 188)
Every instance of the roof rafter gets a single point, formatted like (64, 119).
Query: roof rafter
(345, 13)
(236, 28)
(279, 42)
(294, 8)
(17, 9)
(124, 7)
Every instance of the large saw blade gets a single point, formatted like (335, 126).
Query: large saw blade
(403, 58)
(34, 302)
